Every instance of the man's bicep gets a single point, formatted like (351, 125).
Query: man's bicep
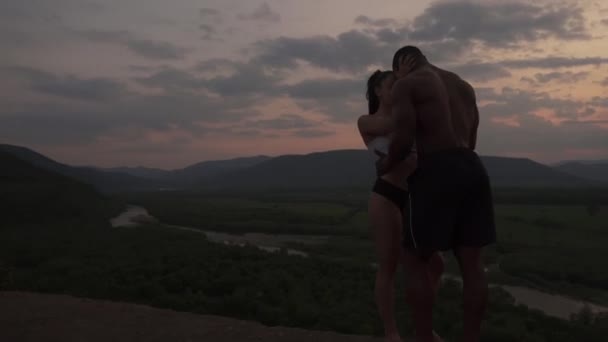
(404, 115)
(403, 109)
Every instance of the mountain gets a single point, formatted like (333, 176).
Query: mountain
(209, 169)
(322, 169)
(140, 172)
(584, 162)
(30, 194)
(102, 180)
(591, 170)
(514, 172)
(193, 173)
(355, 168)
(341, 168)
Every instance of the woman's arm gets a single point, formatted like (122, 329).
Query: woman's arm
(375, 125)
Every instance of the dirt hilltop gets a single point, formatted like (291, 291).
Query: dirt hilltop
(26, 317)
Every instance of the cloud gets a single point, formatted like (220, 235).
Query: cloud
(286, 124)
(444, 32)
(242, 79)
(28, 12)
(326, 88)
(554, 62)
(150, 49)
(283, 122)
(172, 79)
(209, 32)
(216, 64)
(248, 79)
(390, 36)
(111, 109)
(70, 87)
(262, 13)
(498, 24)
(312, 133)
(350, 51)
(211, 18)
(519, 103)
(540, 138)
(482, 72)
(156, 49)
(367, 21)
(209, 13)
(560, 77)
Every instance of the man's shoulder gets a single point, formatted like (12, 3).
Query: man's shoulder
(417, 79)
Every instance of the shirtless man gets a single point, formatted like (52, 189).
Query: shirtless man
(450, 195)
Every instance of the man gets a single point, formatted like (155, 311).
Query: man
(450, 197)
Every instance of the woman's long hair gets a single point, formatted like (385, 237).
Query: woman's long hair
(375, 80)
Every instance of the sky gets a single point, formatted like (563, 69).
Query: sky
(170, 83)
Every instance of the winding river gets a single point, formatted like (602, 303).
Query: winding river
(550, 304)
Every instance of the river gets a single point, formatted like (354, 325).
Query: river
(552, 305)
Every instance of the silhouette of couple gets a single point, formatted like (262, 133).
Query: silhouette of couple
(432, 193)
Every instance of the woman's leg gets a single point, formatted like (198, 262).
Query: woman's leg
(385, 220)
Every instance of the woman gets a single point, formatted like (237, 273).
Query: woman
(388, 201)
(388, 198)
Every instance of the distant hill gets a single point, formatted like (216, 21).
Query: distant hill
(208, 169)
(525, 172)
(140, 172)
(334, 168)
(102, 180)
(356, 168)
(30, 194)
(193, 173)
(583, 161)
(596, 170)
(340, 168)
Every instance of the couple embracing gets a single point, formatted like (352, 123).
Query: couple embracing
(432, 193)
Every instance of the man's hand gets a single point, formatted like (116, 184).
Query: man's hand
(384, 165)
(406, 64)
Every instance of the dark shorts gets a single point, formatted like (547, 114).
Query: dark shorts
(392, 192)
(450, 203)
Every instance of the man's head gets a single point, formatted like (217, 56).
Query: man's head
(406, 60)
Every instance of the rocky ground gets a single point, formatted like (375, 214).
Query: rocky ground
(58, 318)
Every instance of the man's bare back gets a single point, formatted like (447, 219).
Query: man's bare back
(423, 113)
(463, 106)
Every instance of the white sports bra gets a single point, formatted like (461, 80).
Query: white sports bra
(380, 145)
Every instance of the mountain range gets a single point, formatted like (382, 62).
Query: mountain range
(340, 168)
(31, 194)
(593, 170)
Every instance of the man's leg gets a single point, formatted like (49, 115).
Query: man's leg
(420, 295)
(476, 228)
(475, 291)
(436, 267)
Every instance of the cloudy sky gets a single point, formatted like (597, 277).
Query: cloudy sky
(169, 83)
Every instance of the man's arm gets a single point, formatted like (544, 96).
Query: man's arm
(404, 117)
(404, 114)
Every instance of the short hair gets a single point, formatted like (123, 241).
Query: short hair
(407, 51)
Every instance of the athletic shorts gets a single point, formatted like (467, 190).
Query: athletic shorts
(450, 203)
